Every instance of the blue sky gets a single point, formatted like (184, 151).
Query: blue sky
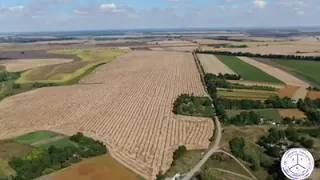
(54, 15)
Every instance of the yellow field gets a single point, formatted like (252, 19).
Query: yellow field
(62, 73)
(97, 168)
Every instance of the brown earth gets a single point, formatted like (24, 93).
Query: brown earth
(10, 149)
(313, 94)
(292, 113)
(97, 168)
(288, 91)
(130, 109)
(25, 64)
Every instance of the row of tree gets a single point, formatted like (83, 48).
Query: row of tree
(44, 161)
(229, 76)
(271, 56)
(221, 82)
(310, 108)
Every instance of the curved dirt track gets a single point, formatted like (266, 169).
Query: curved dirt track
(129, 109)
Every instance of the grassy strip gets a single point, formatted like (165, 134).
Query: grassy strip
(35, 136)
(308, 70)
(247, 71)
(265, 95)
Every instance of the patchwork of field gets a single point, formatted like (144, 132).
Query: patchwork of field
(97, 168)
(130, 110)
(62, 73)
(242, 94)
(7, 55)
(275, 72)
(25, 64)
(211, 64)
(308, 70)
(292, 113)
(247, 71)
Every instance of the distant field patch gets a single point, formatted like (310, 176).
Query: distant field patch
(288, 91)
(258, 95)
(313, 94)
(292, 113)
(97, 168)
(308, 70)
(247, 71)
(87, 59)
(35, 136)
(10, 149)
(211, 64)
(25, 64)
(267, 113)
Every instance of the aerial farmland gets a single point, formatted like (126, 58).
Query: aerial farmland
(154, 105)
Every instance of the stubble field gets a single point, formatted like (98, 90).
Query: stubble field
(212, 64)
(129, 109)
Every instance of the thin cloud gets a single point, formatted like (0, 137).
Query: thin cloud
(259, 3)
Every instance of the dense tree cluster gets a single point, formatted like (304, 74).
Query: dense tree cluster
(311, 132)
(191, 105)
(227, 46)
(277, 102)
(278, 141)
(310, 107)
(179, 152)
(246, 118)
(229, 76)
(42, 161)
(221, 82)
(271, 56)
(6, 76)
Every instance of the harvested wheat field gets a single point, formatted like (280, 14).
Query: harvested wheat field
(288, 91)
(25, 64)
(313, 94)
(97, 168)
(292, 113)
(275, 72)
(301, 93)
(211, 64)
(129, 109)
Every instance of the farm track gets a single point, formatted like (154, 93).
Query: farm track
(130, 111)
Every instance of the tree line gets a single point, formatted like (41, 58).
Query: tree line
(221, 82)
(45, 161)
(310, 108)
(270, 56)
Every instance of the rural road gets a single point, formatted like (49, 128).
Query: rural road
(245, 168)
(214, 148)
(230, 172)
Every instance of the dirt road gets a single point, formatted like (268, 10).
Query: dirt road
(214, 148)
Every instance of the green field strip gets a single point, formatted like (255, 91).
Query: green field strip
(267, 113)
(35, 136)
(309, 70)
(61, 143)
(247, 71)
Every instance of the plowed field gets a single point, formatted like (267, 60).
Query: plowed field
(211, 64)
(129, 109)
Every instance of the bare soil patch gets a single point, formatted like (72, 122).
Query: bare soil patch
(25, 64)
(211, 64)
(130, 109)
(275, 72)
(10, 149)
(313, 94)
(97, 168)
(301, 93)
(288, 91)
(292, 113)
